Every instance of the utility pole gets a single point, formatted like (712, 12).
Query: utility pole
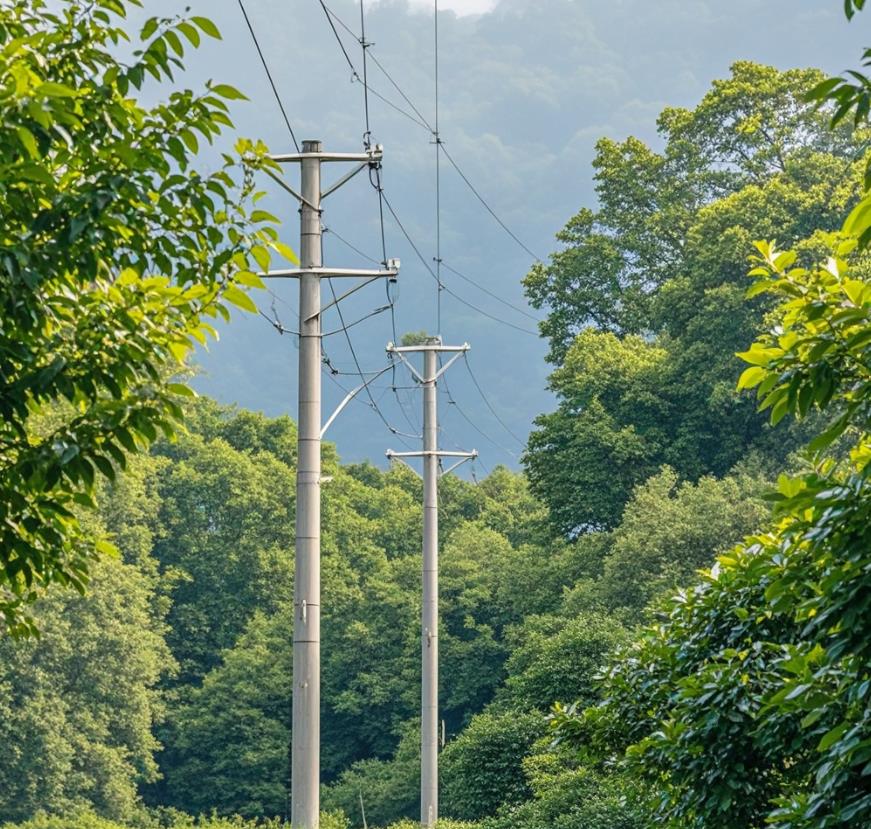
(305, 734)
(432, 455)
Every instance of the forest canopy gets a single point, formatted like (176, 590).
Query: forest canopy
(660, 621)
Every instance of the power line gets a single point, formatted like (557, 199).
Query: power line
(493, 411)
(374, 173)
(375, 180)
(350, 246)
(453, 293)
(331, 15)
(345, 328)
(489, 209)
(393, 430)
(487, 291)
(481, 432)
(422, 121)
(367, 136)
(438, 183)
(456, 272)
(487, 314)
(269, 75)
(414, 423)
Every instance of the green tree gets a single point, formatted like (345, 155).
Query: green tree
(647, 299)
(557, 660)
(669, 531)
(226, 545)
(86, 819)
(748, 129)
(78, 705)
(389, 789)
(747, 705)
(567, 794)
(227, 742)
(221, 518)
(481, 769)
(116, 254)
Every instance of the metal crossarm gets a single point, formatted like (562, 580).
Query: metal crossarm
(372, 156)
(321, 271)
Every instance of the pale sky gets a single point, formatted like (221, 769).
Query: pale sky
(461, 7)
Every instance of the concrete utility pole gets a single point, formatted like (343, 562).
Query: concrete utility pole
(432, 455)
(305, 739)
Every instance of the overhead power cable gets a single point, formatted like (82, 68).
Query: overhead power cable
(484, 397)
(268, 75)
(422, 121)
(330, 15)
(489, 209)
(487, 314)
(393, 430)
(453, 293)
(438, 177)
(454, 271)
(367, 135)
(374, 405)
(375, 181)
(351, 246)
(487, 291)
(453, 402)
(355, 76)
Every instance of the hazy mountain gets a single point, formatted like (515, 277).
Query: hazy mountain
(526, 89)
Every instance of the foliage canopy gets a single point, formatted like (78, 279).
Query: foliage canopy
(116, 254)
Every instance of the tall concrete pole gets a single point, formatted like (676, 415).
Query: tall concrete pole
(429, 741)
(431, 454)
(306, 728)
(305, 739)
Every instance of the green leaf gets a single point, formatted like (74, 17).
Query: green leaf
(263, 216)
(855, 289)
(229, 92)
(759, 355)
(207, 26)
(55, 90)
(859, 219)
(174, 41)
(826, 438)
(180, 389)
(821, 90)
(261, 256)
(149, 28)
(249, 279)
(29, 141)
(751, 377)
(190, 32)
(105, 466)
(286, 251)
(239, 298)
(107, 548)
(831, 737)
